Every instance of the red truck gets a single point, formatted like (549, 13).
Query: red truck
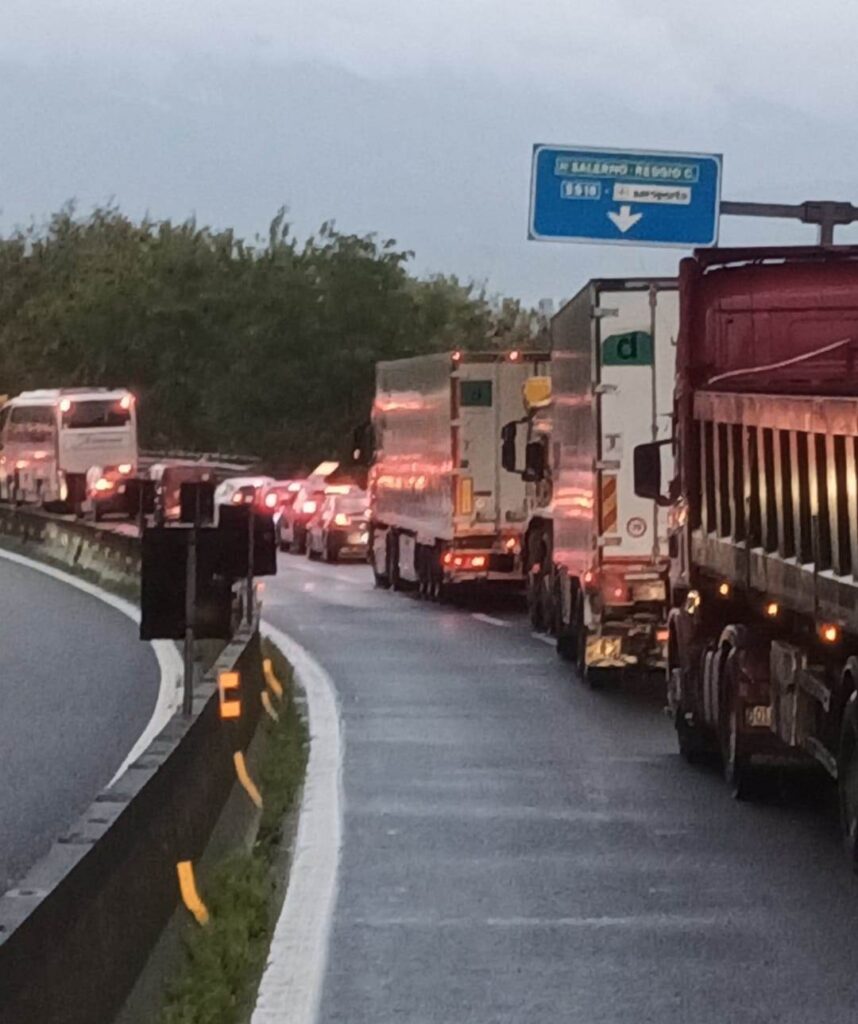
(763, 632)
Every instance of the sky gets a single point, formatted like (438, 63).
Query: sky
(416, 120)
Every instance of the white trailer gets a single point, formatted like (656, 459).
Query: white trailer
(442, 511)
(596, 555)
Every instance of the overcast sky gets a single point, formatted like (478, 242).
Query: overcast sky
(417, 119)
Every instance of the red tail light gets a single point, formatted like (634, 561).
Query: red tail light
(102, 484)
(236, 498)
(341, 519)
(464, 562)
(308, 508)
(270, 500)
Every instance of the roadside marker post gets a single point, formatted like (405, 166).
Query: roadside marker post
(229, 693)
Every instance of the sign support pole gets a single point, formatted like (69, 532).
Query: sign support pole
(190, 609)
(824, 212)
(249, 584)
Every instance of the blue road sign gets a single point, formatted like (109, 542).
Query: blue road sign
(607, 195)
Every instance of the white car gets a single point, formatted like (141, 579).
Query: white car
(235, 490)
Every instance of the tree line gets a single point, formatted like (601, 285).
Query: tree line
(266, 347)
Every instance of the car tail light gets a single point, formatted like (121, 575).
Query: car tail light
(125, 468)
(341, 519)
(102, 484)
(126, 401)
(308, 508)
(236, 498)
(478, 562)
(21, 464)
(270, 500)
(65, 405)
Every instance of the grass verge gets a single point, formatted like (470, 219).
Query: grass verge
(223, 962)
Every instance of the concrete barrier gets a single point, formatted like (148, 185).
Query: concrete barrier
(77, 930)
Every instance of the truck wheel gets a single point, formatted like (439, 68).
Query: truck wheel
(571, 639)
(737, 767)
(847, 781)
(393, 561)
(382, 580)
(692, 747)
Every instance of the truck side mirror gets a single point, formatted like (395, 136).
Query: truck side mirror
(534, 461)
(647, 472)
(508, 434)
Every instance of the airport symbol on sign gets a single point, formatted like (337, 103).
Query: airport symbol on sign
(630, 198)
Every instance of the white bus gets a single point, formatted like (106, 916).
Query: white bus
(62, 447)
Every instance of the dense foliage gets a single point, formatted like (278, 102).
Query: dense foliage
(266, 347)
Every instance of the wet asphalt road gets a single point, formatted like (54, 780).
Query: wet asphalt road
(77, 689)
(520, 849)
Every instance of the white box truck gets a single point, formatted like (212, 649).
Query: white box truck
(442, 511)
(595, 554)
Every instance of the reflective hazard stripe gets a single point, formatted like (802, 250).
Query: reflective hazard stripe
(609, 503)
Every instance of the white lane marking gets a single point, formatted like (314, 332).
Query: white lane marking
(291, 987)
(490, 619)
(169, 660)
(543, 639)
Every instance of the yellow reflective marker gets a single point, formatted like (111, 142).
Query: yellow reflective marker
(269, 707)
(228, 683)
(245, 779)
(188, 889)
(273, 682)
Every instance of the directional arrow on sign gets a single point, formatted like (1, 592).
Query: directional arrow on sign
(625, 219)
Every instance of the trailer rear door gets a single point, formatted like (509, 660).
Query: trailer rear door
(637, 332)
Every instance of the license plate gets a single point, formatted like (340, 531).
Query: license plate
(604, 648)
(759, 716)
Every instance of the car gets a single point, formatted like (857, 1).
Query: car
(280, 495)
(168, 478)
(241, 490)
(292, 528)
(105, 490)
(339, 528)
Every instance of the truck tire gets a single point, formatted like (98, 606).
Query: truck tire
(538, 581)
(847, 780)
(738, 773)
(571, 638)
(396, 581)
(381, 579)
(692, 746)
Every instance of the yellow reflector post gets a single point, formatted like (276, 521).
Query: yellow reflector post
(269, 707)
(228, 683)
(245, 779)
(271, 680)
(188, 889)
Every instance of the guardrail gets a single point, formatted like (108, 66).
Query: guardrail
(77, 930)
